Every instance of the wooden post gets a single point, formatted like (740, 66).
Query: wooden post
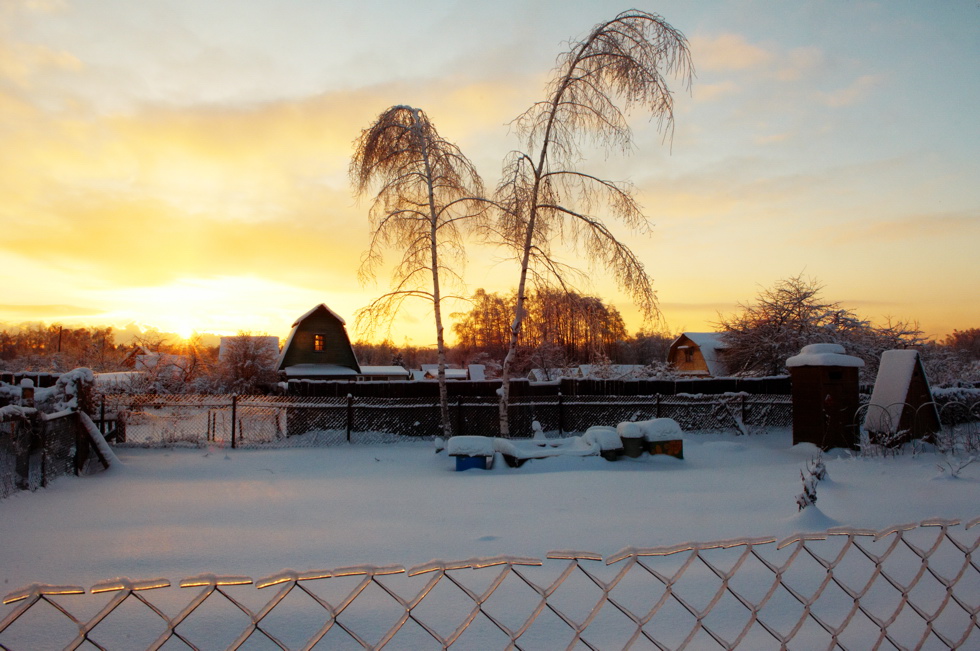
(234, 413)
(102, 417)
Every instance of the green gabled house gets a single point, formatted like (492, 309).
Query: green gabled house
(318, 348)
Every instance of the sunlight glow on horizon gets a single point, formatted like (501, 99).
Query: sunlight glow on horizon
(167, 169)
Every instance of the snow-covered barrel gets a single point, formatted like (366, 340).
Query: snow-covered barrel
(825, 396)
(633, 438)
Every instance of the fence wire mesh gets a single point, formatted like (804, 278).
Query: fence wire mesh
(908, 586)
(36, 449)
(290, 421)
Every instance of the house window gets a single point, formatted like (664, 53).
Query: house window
(688, 355)
(318, 342)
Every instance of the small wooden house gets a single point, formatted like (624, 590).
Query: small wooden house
(698, 354)
(901, 406)
(318, 348)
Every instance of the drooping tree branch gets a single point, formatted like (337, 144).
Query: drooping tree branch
(622, 64)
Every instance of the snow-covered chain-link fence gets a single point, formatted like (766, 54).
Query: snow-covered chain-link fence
(909, 586)
(292, 421)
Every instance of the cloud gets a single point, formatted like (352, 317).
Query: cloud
(947, 226)
(854, 93)
(21, 312)
(727, 52)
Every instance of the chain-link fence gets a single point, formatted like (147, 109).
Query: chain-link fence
(287, 421)
(908, 586)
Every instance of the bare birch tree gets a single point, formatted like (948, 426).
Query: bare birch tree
(546, 199)
(426, 189)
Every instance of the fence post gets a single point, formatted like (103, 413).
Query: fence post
(561, 415)
(102, 416)
(658, 406)
(459, 415)
(350, 414)
(743, 410)
(234, 422)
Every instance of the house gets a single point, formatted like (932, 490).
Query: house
(318, 348)
(698, 354)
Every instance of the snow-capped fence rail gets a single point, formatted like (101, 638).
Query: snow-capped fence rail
(907, 586)
(290, 421)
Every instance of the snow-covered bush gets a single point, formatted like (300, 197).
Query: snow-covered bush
(815, 472)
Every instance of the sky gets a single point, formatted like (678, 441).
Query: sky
(183, 165)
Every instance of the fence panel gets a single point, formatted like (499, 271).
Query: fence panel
(907, 586)
(290, 421)
(36, 449)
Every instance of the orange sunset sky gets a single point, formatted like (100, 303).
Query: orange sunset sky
(183, 164)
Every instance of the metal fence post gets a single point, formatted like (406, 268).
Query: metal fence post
(234, 413)
(459, 415)
(561, 415)
(350, 415)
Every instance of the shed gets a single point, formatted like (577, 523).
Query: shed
(825, 396)
(698, 353)
(901, 406)
(318, 348)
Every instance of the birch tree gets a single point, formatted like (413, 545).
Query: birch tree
(425, 190)
(546, 199)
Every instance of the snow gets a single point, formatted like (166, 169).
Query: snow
(824, 355)
(179, 513)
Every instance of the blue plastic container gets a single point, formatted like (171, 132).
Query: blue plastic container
(465, 463)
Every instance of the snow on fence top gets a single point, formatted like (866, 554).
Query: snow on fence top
(824, 355)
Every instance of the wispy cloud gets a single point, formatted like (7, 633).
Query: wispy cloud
(728, 52)
(856, 92)
(947, 226)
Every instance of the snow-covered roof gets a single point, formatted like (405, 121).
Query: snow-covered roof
(318, 370)
(385, 370)
(824, 355)
(314, 309)
(430, 371)
(478, 372)
(891, 389)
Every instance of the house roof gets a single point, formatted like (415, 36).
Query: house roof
(314, 309)
(891, 390)
(385, 370)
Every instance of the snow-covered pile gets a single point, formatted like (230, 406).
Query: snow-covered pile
(824, 355)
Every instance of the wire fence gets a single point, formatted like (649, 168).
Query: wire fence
(290, 421)
(908, 586)
(36, 448)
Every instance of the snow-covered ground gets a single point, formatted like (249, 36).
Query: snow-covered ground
(179, 512)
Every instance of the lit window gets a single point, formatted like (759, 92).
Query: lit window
(318, 342)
